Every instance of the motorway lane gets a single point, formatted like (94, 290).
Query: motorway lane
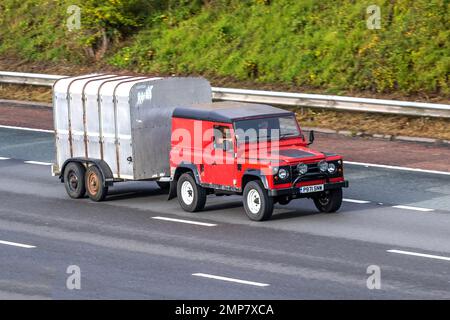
(124, 253)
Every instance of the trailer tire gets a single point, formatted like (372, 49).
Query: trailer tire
(74, 180)
(95, 186)
(329, 201)
(257, 203)
(191, 196)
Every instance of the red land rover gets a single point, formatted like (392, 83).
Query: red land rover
(257, 151)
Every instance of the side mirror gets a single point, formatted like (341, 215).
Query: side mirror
(311, 137)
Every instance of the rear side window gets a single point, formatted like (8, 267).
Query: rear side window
(222, 138)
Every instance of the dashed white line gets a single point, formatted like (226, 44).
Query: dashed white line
(423, 255)
(27, 129)
(356, 201)
(186, 221)
(38, 163)
(15, 244)
(3, 158)
(368, 165)
(413, 208)
(210, 276)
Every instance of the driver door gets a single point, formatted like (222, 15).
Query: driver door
(220, 169)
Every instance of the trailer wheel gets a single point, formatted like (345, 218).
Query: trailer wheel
(191, 196)
(95, 186)
(257, 203)
(74, 180)
(163, 185)
(329, 201)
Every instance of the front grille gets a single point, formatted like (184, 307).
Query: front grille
(313, 173)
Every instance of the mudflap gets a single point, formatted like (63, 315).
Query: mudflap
(172, 190)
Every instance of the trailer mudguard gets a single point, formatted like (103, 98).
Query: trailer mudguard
(105, 170)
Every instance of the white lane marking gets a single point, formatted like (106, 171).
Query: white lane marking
(15, 244)
(396, 168)
(186, 221)
(210, 276)
(409, 253)
(27, 129)
(413, 208)
(38, 163)
(355, 201)
(3, 158)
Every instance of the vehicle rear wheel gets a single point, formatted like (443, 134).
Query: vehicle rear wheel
(163, 185)
(257, 203)
(74, 180)
(95, 185)
(191, 196)
(329, 201)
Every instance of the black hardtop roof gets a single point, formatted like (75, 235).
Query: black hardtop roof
(228, 111)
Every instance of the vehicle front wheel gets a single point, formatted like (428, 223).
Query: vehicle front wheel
(74, 180)
(257, 203)
(191, 196)
(95, 185)
(329, 201)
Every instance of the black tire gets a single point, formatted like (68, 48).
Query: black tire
(195, 195)
(329, 201)
(163, 185)
(74, 180)
(256, 190)
(95, 187)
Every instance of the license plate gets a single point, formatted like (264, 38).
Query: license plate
(309, 189)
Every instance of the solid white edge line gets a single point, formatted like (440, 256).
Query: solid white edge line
(186, 221)
(395, 167)
(356, 201)
(38, 163)
(413, 208)
(27, 129)
(423, 255)
(210, 276)
(15, 244)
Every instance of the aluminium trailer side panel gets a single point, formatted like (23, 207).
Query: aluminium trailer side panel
(62, 120)
(123, 120)
(93, 112)
(152, 106)
(110, 132)
(124, 143)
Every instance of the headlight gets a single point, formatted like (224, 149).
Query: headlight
(302, 168)
(331, 168)
(323, 166)
(283, 174)
(275, 170)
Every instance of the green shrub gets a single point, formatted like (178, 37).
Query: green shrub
(320, 44)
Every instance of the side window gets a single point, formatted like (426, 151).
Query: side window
(222, 138)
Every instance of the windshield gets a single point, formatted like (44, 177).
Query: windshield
(264, 129)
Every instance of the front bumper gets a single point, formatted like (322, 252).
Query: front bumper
(295, 191)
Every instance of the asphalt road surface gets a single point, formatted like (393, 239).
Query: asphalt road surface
(134, 245)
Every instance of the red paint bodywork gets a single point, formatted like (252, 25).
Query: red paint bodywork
(192, 143)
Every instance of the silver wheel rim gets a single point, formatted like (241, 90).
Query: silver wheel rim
(187, 193)
(254, 201)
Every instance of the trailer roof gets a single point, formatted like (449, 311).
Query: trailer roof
(228, 111)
